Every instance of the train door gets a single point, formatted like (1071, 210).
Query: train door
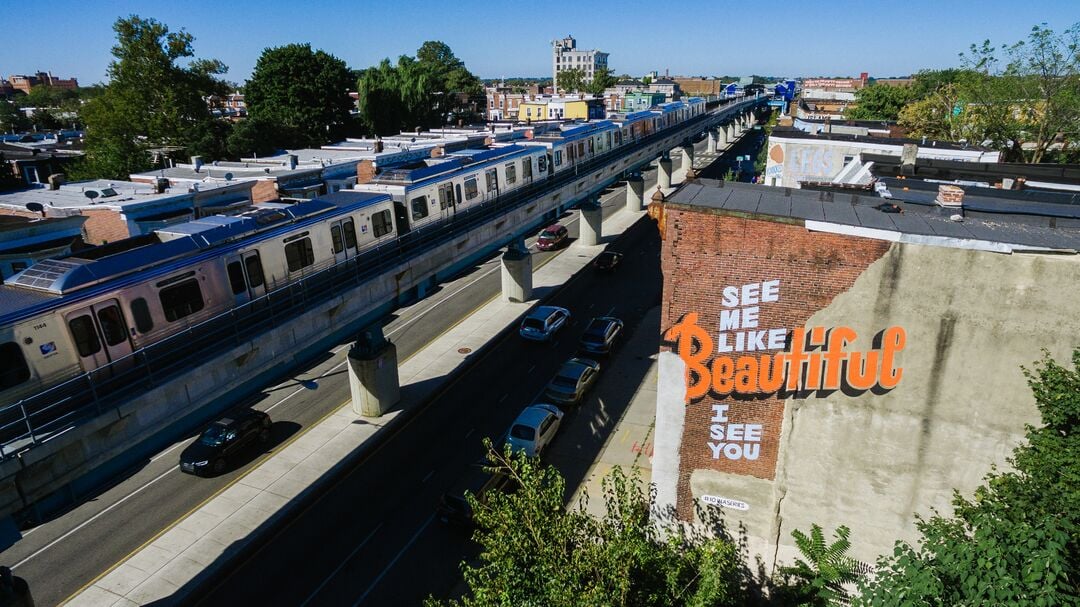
(100, 334)
(492, 177)
(446, 199)
(246, 277)
(457, 195)
(343, 237)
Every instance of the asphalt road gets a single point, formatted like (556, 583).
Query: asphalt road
(373, 538)
(64, 554)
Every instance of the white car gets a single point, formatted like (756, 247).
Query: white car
(542, 323)
(534, 429)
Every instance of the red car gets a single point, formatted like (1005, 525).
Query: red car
(552, 237)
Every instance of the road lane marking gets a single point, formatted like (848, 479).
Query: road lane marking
(531, 369)
(503, 397)
(343, 563)
(395, 560)
(471, 430)
(429, 474)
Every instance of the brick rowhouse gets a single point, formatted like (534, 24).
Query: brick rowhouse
(705, 250)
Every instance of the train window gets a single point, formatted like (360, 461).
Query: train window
(470, 188)
(511, 173)
(492, 178)
(182, 299)
(13, 368)
(380, 223)
(298, 254)
(254, 271)
(618, 137)
(558, 157)
(350, 233)
(86, 339)
(419, 207)
(446, 196)
(542, 163)
(236, 278)
(581, 148)
(609, 139)
(526, 168)
(335, 236)
(140, 311)
(112, 325)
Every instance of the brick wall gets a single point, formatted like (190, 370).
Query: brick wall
(703, 252)
(104, 225)
(264, 190)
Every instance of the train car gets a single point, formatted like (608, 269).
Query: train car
(635, 126)
(577, 143)
(696, 106)
(669, 114)
(73, 314)
(435, 190)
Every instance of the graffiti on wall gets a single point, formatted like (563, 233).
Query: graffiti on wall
(810, 161)
(747, 360)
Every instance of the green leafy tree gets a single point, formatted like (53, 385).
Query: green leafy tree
(940, 115)
(252, 137)
(880, 102)
(304, 92)
(820, 576)
(535, 551)
(1017, 540)
(150, 99)
(11, 119)
(602, 79)
(571, 80)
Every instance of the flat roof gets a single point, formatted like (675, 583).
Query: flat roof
(1010, 225)
(109, 194)
(789, 132)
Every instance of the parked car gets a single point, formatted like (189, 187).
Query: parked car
(534, 429)
(572, 381)
(607, 261)
(223, 440)
(552, 237)
(542, 323)
(601, 334)
(478, 480)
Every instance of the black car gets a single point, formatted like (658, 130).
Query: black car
(223, 439)
(607, 261)
(479, 481)
(601, 334)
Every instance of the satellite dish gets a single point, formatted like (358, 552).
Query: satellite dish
(91, 194)
(228, 176)
(35, 207)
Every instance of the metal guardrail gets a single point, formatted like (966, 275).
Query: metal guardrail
(37, 418)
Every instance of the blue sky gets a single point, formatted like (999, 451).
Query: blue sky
(838, 37)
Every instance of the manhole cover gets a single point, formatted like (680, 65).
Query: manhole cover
(464, 350)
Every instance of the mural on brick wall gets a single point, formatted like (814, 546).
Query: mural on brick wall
(747, 360)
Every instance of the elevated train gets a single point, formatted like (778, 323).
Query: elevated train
(70, 315)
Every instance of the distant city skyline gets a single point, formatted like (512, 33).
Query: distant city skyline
(73, 39)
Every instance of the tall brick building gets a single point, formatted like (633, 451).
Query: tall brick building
(830, 359)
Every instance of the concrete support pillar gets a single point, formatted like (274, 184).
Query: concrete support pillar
(590, 226)
(711, 145)
(725, 136)
(688, 160)
(373, 374)
(750, 119)
(635, 193)
(663, 172)
(738, 125)
(731, 133)
(517, 273)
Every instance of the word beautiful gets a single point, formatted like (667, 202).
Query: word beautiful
(814, 358)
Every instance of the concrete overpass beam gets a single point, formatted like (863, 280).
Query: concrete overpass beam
(663, 173)
(591, 224)
(373, 374)
(517, 273)
(635, 193)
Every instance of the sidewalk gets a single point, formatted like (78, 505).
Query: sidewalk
(223, 526)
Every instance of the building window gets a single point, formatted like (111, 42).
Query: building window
(183, 299)
(380, 223)
(511, 173)
(419, 207)
(299, 254)
(140, 311)
(13, 368)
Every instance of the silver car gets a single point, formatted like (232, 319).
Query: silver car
(534, 429)
(572, 381)
(542, 323)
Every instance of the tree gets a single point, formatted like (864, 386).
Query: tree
(252, 137)
(11, 119)
(150, 100)
(940, 115)
(818, 580)
(1017, 540)
(305, 92)
(602, 79)
(879, 102)
(571, 80)
(535, 551)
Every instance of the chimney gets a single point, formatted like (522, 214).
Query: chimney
(365, 171)
(378, 145)
(196, 163)
(160, 185)
(56, 180)
(908, 155)
(437, 152)
(292, 159)
(950, 196)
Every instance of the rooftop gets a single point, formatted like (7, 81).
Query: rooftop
(116, 195)
(989, 223)
(787, 132)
